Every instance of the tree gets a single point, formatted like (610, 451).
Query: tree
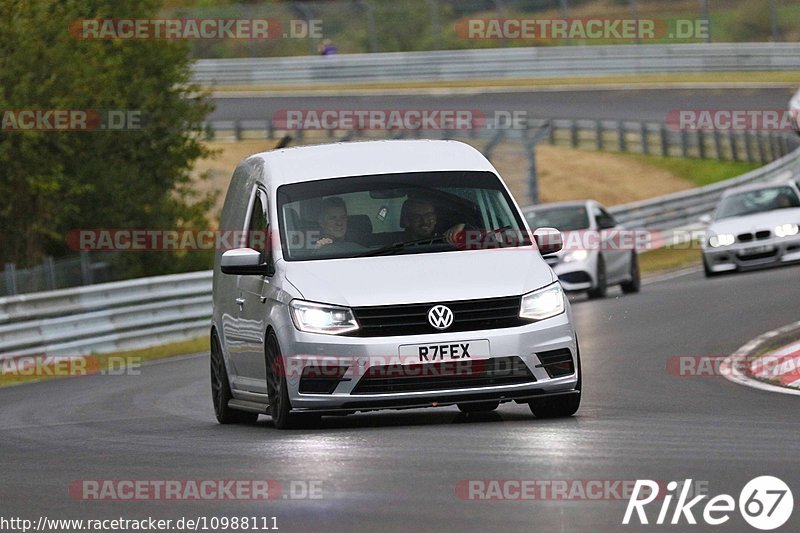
(54, 182)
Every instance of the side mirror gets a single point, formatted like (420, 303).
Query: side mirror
(705, 219)
(244, 262)
(548, 240)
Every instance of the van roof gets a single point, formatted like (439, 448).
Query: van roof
(308, 163)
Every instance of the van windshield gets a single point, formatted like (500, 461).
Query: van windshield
(393, 214)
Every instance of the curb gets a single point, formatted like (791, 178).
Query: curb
(785, 341)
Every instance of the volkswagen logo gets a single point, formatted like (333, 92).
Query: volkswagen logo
(440, 316)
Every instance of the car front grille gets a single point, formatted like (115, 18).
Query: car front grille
(750, 236)
(412, 319)
(444, 375)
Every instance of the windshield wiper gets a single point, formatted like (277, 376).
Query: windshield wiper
(399, 246)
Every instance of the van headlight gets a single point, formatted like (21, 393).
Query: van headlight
(543, 303)
(322, 318)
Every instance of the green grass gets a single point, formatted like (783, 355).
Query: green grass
(665, 259)
(698, 171)
(102, 362)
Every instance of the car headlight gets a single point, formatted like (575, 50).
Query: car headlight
(575, 255)
(543, 303)
(786, 230)
(723, 239)
(322, 318)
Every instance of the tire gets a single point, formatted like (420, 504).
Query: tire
(278, 392)
(221, 390)
(478, 407)
(560, 406)
(601, 288)
(556, 406)
(632, 286)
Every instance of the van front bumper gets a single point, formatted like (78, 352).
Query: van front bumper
(529, 347)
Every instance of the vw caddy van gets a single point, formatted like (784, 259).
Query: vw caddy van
(384, 275)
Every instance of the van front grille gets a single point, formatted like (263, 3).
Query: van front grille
(412, 319)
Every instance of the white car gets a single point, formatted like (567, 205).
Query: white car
(753, 226)
(353, 291)
(594, 254)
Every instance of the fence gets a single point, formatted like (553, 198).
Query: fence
(52, 274)
(360, 26)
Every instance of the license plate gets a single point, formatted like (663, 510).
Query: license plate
(754, 250)
(446, 351)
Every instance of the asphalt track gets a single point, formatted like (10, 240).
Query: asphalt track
(587, 102)
(398, 470)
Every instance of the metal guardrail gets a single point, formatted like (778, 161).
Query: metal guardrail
(107, 317)
(684, 207)
(503, 63)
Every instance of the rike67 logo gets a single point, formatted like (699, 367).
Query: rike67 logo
(765, 503)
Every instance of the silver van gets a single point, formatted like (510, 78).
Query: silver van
(384, 275)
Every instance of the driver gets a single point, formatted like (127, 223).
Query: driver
(419, 220)
(332, 221)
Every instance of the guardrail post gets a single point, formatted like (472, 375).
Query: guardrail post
(773, 149)
(552, 134)
(623, 146)
(237, 130)
(734, 147)
(573, 128)
(748, 146)
(762, 154)
(49, 268)
(664, 141)
(701, 144)
(598, 129)
(530, 151)
(645, 139)
(718, 145)
(87, 275)
(10, 274)
(684, 143)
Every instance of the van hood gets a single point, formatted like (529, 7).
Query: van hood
(412, 278)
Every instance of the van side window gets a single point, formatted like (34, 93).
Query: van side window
(258, 228)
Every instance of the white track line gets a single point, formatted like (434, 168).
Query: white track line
(732, 361)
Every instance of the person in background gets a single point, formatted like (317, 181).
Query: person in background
(327, 48)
